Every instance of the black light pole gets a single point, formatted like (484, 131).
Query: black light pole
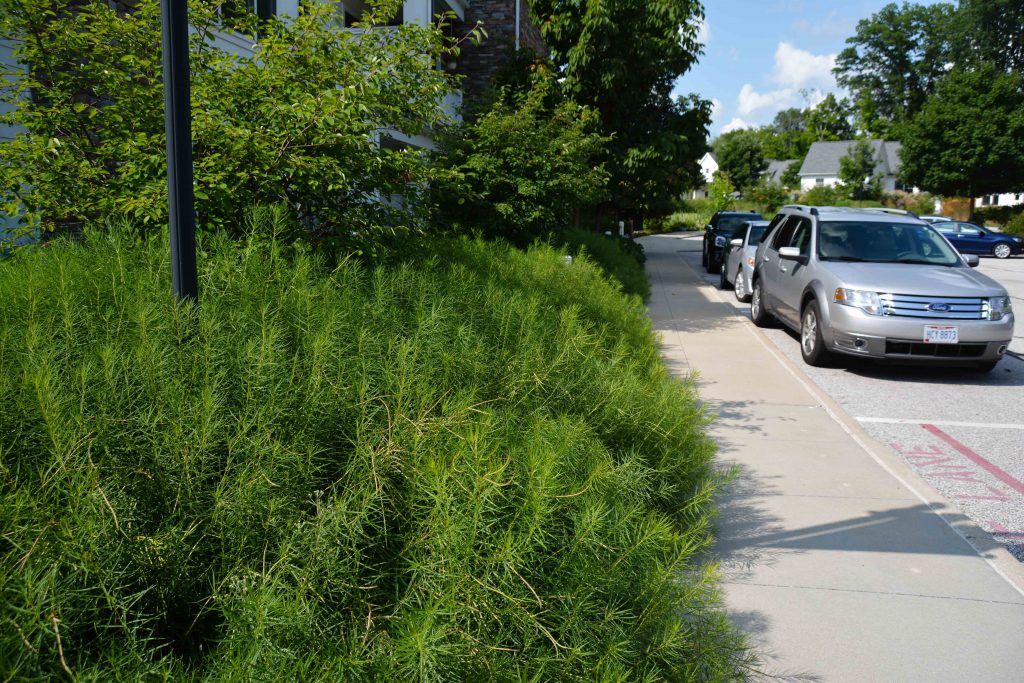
(178, 117)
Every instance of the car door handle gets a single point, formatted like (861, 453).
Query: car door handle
(782, 269)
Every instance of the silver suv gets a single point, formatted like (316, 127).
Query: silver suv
(878, 284)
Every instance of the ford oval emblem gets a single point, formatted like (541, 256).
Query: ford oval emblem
(939, 308)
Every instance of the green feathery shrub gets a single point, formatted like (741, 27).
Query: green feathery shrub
(470, 467)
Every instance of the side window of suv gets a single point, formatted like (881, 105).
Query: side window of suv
(784, 234)
(801, 238)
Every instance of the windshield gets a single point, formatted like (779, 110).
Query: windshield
(756, 233)
(883, 243)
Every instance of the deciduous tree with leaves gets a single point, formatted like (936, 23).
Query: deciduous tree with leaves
(894, 62)
(519, 169)
(622, 57)
(857, 171)
(296, 122)
(741, 157)
(968, 139)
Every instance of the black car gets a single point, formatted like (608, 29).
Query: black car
(718, 233)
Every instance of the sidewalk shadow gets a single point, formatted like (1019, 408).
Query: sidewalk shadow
(739, 416)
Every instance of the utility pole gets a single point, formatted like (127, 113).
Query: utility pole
(178, 122)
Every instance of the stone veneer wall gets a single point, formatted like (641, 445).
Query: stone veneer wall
(478, 63)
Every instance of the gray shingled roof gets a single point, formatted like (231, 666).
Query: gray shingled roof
(823, 157)
(777, 168)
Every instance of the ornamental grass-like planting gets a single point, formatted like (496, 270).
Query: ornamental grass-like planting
(472, 466)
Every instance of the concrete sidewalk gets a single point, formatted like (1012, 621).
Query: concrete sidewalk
(836, 559)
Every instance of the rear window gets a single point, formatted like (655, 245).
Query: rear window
(756, 233)
(731, 223)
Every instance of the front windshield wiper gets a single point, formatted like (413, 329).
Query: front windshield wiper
(847, 259)
(923, 262)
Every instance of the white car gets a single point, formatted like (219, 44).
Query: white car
(738, 263)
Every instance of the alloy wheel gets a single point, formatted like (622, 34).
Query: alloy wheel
(740, 287)
(1001, 250)
(809, 332)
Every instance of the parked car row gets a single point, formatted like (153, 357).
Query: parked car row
(872, 283)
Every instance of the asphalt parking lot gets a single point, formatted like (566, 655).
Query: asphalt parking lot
(961, 431)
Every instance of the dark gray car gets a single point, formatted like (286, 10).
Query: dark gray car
(873, 284)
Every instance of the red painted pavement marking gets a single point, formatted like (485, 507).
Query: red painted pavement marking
(934, 463)
(998, 528)
(981, 462)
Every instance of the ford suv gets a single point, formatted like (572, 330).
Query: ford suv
(875, 284)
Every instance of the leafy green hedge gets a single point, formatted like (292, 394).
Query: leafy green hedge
(621, 259)
(472, 467)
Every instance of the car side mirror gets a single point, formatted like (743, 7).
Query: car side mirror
(790, 254)
(972, 260)
(707, 227)
(736, 242)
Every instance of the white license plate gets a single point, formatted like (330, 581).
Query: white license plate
(941, 334)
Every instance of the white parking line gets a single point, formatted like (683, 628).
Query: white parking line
(940, 423)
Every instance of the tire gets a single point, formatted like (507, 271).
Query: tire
(704, 254)
(740, 287)
(723, 283)
(1002, 250)
(758, 314)
(812, 345)
(713, 265)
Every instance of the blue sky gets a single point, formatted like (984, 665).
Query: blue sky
(759, 56)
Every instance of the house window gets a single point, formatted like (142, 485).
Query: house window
(354, 10)
(819, 181)
(264, 9)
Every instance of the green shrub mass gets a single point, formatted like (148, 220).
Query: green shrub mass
(621, 259)
(473, 466)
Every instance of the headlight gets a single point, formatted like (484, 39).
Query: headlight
(999, 307)
(858, 298)
(720, 241)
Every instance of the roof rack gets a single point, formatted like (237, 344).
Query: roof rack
(813, 210)
(898, 212)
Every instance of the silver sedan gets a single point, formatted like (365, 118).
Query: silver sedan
(738, 265)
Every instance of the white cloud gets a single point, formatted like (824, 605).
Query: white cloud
(796, 68)
(703, 32)
(699, 29)
(736, 124)
(750, 101)
(717, 109)
(814, 97)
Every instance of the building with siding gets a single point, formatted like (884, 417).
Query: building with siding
(506, 22)
(821, 165)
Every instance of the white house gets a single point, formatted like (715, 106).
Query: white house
(1004, 199)
(708, 169)
(821, 165)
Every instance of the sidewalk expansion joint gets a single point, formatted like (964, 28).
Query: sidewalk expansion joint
(867, 592)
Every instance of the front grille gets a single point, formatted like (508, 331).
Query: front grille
(912, 306)
(909, 348)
